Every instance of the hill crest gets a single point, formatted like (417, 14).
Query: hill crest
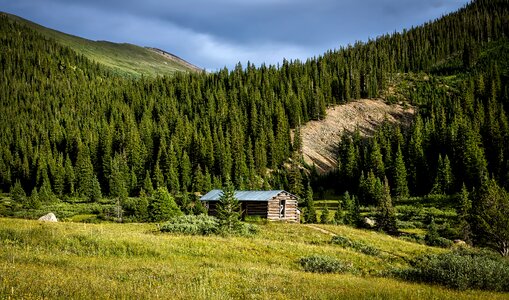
(121, 58)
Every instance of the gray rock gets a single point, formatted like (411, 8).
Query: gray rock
(369, 222)
(49, 218)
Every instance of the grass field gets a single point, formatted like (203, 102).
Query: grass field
(123, 59)
(75, 260)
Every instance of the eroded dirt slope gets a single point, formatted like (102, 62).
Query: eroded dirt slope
(320, 139)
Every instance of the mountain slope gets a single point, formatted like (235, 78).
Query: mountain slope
(320, 139)
(124, 59)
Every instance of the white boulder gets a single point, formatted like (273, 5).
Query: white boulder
(49, 218)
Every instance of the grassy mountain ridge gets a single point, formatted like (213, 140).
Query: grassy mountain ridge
(123, 59)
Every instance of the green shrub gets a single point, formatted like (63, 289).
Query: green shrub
(440, 242)
(324, 264)
(205, 225)
(191, 224)
(462, 269)
(356, 245)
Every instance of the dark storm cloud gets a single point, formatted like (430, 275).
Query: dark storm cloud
(213, 34)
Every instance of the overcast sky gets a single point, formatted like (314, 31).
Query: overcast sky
(216, 33)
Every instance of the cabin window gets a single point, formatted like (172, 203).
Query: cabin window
(282, 208)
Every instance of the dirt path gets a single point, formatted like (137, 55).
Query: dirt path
(321, 229)
(320, 139)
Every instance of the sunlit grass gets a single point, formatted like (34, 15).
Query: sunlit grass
(103, 261)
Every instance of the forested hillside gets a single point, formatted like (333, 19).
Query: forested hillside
(123, 59)
(70, 127)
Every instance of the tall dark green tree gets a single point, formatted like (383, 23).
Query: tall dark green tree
(400, 189)
(386, 220)
(228, 209)
(464, 217)
(310, 210)
(490, 214)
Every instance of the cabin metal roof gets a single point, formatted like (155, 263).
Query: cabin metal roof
(243, 195)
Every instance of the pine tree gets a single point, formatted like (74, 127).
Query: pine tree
(95, 194)
(185, 172)
(386, 215)
(400, 176)
(118, 181)
(376, 162)
(158, 177)
(18, 193)
(444, 178)
(295, 180)
(490, 214)
(33, 201)
(324, 218)
(46, 194)
(352, 215)
(228, 209)
(162, 206)
(339, 215)
(310, 211)
(84, 173)
(465, 206)
(147, 184)
(432, 237)
(70, 178)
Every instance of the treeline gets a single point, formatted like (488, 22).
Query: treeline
(70, 127)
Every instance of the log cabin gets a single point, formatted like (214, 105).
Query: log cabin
(276, 205)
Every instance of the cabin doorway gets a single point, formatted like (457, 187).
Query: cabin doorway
(282, 209)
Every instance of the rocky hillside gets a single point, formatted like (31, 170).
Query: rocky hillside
(320, 139)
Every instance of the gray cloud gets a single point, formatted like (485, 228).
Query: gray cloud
(213, 34)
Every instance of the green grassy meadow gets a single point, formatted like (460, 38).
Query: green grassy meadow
(102, 261)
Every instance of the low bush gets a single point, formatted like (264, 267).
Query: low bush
(205, 225)
(191, 224)
(440, 242)
(461, 269)
(356, 245)
(324, 264)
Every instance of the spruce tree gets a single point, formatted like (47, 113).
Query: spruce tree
(162, 206)
(18, 193)
(465, 206)
(400, 176)
(352, 214)
(147, 184)
(386, 215)
(324, 217)
(490, 214)
(84, 173)
(310, 211)
(45, 193)
(33, 201)
(95, 193)
(376, 162)
(339, 215)
(228, 209)
(159, 177)
(432, 237)
(141, 206)
(444, 178)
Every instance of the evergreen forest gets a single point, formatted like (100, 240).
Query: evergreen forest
(74, 130)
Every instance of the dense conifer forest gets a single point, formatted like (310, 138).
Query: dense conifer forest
(72, 128)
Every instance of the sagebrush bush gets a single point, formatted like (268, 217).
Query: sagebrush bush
(324, 264)
(461, 269)
(191, 224)
(356, 245)
(205, 225)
